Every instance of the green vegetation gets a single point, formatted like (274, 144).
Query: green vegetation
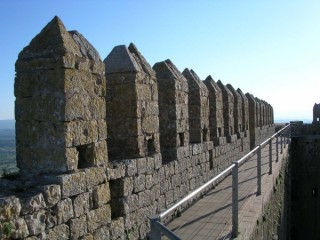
(7, 228)
(7, 151)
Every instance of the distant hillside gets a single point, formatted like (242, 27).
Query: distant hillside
(7, 124)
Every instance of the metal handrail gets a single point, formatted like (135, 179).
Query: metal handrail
(155, 220)
(195, 192)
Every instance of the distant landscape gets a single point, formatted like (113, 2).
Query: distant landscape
(7, 146)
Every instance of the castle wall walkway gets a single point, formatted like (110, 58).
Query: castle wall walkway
(211, 216)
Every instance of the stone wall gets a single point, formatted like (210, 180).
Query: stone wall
(316, 114)
(304, 183)
(71, 186)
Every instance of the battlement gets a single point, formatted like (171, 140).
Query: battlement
(105, 144)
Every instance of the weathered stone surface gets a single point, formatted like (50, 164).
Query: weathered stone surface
(116, 170)
(117, 230)
(101, 195)
(228, 109)
(36, 222)
(60, 232)
(131, 167)
(173, 108)
(245, 110)
(216, 108)
(81, 204)
(139, 183)
(33, 204)
(198, 107)
(51, 219)
(237, 110)
(132, 104)
(78, 227)
(52, 194)
(94, 176)
(19, 228)
(120, 60)
(252, 119)
(121, 187)
(10, 207)
(60, 84)
(122, 206)
(98, 218)
(88, 236)
(63, 104)
(101, 233)
(64, 210)
(72, 184)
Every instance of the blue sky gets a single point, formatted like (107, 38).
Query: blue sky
(268, 48)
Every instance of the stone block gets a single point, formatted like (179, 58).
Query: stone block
(147, 108)
(94, 177)
(51, 219)
(98, 217)
(101, 195)
(116, 170)
(72, 184)
(149, 181)
(144, 198)
(150, 165)
(169, 197)
(36, 222)
(144, 92)
(19, 228)
(161, 204)
(99, 154)
(121, 187)
(157, 161)
(123, 206)
(150, 124)
(131, 167)
(80, 133)
(139, 183)
(81, 204)
(141, 165)
(52, 194)
(10, 207)
(117, 230)
(60, 232)
(33, 204)
(155, 193)
(102, 129)
(88, 236)
(78, 227)
(64, 210)
(102, 233)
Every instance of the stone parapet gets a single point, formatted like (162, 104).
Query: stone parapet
(168, 133)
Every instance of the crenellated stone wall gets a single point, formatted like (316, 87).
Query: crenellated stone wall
(173, 115)
(237, 111)
(216, 123)
(132, 104)
(198, 107)
(103, 145)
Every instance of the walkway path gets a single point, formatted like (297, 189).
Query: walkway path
(210, 217)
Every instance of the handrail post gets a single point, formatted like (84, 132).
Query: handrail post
(235, 200)
(281, 142)
(277, 148)
(270, 156)
(285, 138)
(155, 234)
(259, 170)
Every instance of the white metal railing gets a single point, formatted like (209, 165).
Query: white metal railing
(157, 228)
